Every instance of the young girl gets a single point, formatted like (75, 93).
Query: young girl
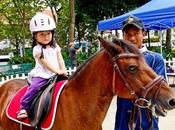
(48, 59)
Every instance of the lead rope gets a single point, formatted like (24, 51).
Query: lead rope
(113, 82)
(149, 116)
(132, 120)
(150, 119)
(140, 118)
(20, 126)
(136, 113)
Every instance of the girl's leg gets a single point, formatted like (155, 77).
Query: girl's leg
(36, 85)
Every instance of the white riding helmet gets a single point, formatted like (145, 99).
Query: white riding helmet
(42, 22)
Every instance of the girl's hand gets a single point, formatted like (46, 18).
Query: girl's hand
(62, 72)
(65, 73)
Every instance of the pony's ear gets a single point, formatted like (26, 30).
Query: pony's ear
(110, 47)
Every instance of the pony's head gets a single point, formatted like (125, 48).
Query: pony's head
(137, 80)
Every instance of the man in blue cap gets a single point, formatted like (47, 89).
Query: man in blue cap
(133, 31)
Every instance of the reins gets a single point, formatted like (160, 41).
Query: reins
(141, 99)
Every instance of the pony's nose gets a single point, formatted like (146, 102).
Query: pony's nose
(172, 102)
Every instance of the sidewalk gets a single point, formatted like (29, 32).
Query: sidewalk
(165, 123)
(168, 122)
(108, 123)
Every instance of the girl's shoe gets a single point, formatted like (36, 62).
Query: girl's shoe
(22, 114)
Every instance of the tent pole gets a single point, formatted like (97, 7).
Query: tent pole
(149, 41)
(161, 40)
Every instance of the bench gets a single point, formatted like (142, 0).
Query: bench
(15, 69)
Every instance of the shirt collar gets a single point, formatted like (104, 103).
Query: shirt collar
(143, 49)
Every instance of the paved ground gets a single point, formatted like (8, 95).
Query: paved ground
(108, 123)
(165, 123)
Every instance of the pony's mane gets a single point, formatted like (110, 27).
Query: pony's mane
(128, 48)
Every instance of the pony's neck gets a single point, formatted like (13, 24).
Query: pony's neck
(89, 93)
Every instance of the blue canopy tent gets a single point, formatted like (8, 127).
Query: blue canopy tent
(156, 15)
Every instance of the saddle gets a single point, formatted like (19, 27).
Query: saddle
(41, 104)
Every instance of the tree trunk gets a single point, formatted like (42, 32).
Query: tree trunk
(72, 21)
(168, 39)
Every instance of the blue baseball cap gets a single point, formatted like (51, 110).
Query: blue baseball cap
(133, 21)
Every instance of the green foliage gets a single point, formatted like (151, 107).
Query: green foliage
(15, 16)
(96, 10)
(169, 53)
(28, 58)
(65, 53)
(5, 51)
(63, 22)
(83, 56)
(14, 19)
(89, 12)
(20, 60)
(154, 49)
(166, 53)
(154, 39)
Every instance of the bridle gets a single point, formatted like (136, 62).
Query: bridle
(141, 99)
(144, 89)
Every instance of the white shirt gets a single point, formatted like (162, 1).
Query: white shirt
(143, 49)
(51, 55)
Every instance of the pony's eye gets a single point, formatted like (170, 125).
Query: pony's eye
(132, 68)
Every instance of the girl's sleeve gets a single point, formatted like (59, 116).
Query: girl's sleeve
(36, 50)
(58, 48)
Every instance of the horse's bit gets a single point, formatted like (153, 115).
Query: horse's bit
(141, 99)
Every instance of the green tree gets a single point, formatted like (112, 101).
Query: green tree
(63, 22)
(15, 16)
(89, 12)
(62, 9)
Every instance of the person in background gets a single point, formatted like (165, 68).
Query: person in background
(134, 32)
(48, 59)
(169, 69)
(73, 54)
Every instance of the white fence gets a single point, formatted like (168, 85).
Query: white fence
(23, 76)
(171, 62)
(170, 68)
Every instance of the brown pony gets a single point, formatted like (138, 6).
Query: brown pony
(118, 69)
